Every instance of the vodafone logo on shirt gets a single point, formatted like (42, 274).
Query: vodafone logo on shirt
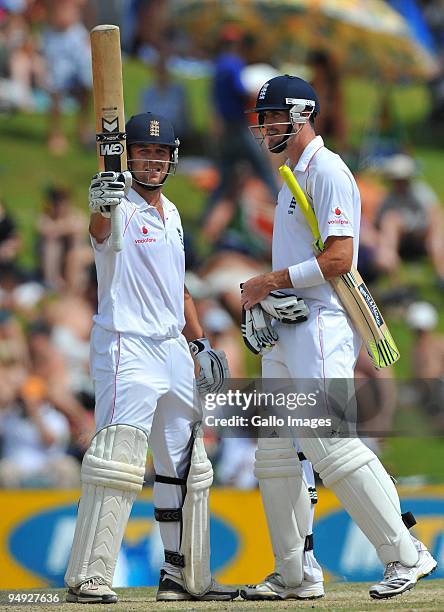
(146, 239)
(337, 217)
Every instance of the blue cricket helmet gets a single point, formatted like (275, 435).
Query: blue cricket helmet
(150, 128)
(282, 92)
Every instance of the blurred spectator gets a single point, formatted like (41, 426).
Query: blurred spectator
(223, 334)
(410, 219)
(427, 361)
(48, 365)
(66, 48)
(385, 135)
(241, 237)
(428, 349)
(13, 347)
(235, 142)
(61, 242)
(111, 11)
(372, 195)
(70, 318)
(327, 81)
(35, 440)
(21, 66)
(17, 292)
(10, 241)
(145, 26)
(168, 98)
(433, 14)
(235, 464)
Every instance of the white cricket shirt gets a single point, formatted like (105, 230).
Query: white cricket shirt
(332, 192)
(141, 289)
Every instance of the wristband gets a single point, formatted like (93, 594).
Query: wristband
(306, 274)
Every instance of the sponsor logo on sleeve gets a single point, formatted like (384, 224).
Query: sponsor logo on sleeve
(337, 217)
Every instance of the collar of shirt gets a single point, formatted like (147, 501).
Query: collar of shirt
(141, 204)
(307, 154)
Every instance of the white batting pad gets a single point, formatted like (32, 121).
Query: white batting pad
(366, 491)
(195, 543)
(112, 475)
(286, 503)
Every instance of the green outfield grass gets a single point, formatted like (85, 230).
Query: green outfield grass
(26, 167)
(428, 595)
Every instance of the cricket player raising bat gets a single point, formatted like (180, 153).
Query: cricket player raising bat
(143, 373)
(323, 345)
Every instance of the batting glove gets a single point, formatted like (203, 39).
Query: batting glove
(285, 308)
(108, 189)
(213, 366)
(257, 331)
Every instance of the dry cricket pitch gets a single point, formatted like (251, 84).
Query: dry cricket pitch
(428, 595)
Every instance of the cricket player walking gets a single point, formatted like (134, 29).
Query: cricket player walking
(144, 382)
(322, 345)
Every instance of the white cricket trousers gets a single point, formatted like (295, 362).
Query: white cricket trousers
(323, 347)
(149, 384)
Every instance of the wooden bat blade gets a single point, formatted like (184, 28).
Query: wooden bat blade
(367, 318)
(109, 110)
(352, 292)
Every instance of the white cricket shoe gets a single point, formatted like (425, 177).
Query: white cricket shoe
(93, 590)
(399, 578)
(273, 588)
(171, 588)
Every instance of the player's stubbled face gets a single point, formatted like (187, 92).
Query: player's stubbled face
(276, 124)
(149, 162)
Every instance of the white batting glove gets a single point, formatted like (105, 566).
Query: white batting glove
(213, 366)
(108, 189)
(257, 331)
(285, 308)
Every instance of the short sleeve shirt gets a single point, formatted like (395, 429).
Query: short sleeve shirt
(332, 192)
(141, 289)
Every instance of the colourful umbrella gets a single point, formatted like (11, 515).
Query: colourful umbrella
(363, 35)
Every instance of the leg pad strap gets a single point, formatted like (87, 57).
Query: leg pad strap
(308, 543)
(174, 558)
(168, 515)
(408, 519)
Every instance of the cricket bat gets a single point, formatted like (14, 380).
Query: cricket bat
(352, 291)
(109, 110)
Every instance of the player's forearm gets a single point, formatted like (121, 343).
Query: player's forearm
(337, 258)
(332, 267)
(279, 279)
(99, 227)
(193, 328)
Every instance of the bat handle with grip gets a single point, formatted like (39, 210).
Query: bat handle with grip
(116, 229)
